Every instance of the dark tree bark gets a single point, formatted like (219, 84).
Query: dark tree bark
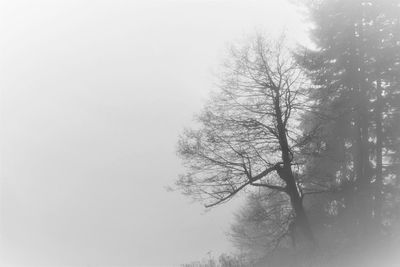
(286, 173)
(249, 135)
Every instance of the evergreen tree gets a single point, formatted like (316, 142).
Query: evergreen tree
(355, 70)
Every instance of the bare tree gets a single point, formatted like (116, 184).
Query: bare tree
(248, 133)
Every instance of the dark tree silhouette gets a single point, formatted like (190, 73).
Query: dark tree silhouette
(248, 133)
(356, 69)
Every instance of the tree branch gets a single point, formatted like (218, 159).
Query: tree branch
(228, 196)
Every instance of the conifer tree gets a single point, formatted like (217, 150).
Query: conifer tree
(355, 69)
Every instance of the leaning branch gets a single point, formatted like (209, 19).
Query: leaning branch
(262, 174)
(228, 196)
(251, 181)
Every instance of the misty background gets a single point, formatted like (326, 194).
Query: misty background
(94, 95)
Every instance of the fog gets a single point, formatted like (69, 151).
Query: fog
(94, 95)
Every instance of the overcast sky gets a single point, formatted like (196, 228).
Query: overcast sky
(93, 97)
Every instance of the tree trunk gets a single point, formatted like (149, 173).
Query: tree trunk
(301, 219)
(379, 145)
(286, 174)
(361, 152)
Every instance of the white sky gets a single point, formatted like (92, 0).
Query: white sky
(93, 97)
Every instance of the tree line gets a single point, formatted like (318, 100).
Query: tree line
(310, 135)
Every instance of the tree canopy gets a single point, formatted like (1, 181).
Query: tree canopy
(321, 122)
(248, 133)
